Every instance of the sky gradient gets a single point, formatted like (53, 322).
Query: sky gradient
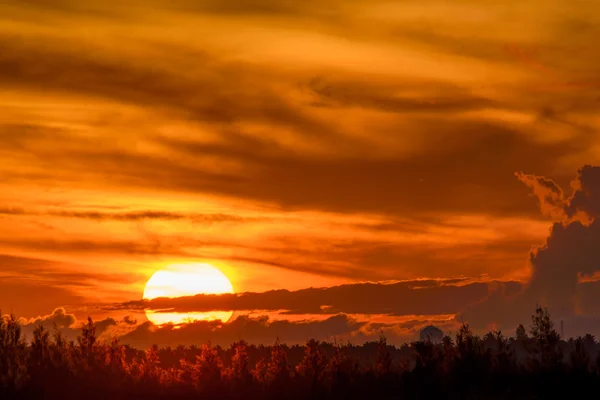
(429, 145)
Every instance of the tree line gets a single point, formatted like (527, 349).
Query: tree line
(533, 364)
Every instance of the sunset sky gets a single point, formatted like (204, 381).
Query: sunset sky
(428, 146)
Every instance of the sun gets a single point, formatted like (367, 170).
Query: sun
(180, 280)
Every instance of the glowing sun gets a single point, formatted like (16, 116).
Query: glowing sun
(186, 280)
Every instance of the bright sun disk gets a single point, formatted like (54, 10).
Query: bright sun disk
(181, 280)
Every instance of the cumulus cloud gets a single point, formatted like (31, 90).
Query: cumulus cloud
(68, 325)
(586, 193)
(571, 252)
(59, 318)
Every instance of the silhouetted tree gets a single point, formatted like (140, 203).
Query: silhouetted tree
(238, 374)
(343, 372)
(313, 366)
(383, 363)
(260, 373)
(472, 362)
(545, 338)
(209, 369)
(579, 357)
(448, 354)
(87, 345)
(13, 372)
(521, 333)
(39, 361)
(49, 366)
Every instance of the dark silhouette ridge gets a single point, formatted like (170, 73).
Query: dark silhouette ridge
(534, 364)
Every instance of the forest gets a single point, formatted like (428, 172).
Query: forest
(534, 363)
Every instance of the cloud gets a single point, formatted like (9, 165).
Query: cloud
(130, 216)
(461, 249)
(262, 330)
(382, 168)
(586, 193)
(35, 286)
(239, 8)
(404, 98)
(262, 8)
(367, 109)
(68, 325)
(570, 252)
(59, 318)
(422, 297)
(105, 76)
(32, 286)
(21, 270)
(383, 183)
(26, 298)
(90, 246)
(555, 203)
(551, 197)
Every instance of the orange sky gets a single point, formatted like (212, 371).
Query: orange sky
(292, 144)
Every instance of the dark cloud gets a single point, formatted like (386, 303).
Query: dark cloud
(99, 247)
(130, 216)
(269, 8)
(103, 325)
(51, 8)
(431, 98)
(129, 321)
(384, 260)
(126, 216)
(50, 279)
(421, 297)
(262, 330)
(151, 246)
(240, 8)
(12, 211)
(69, 68)
(381, 185)
(425, 35)
(570, 252)
(586, 195)
(254, 330)
(100, 216)
(587, 299)
(571, 249)
(474, 153)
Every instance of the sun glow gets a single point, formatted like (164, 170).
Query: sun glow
(181, 280)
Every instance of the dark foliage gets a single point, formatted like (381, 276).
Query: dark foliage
(538, 365)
